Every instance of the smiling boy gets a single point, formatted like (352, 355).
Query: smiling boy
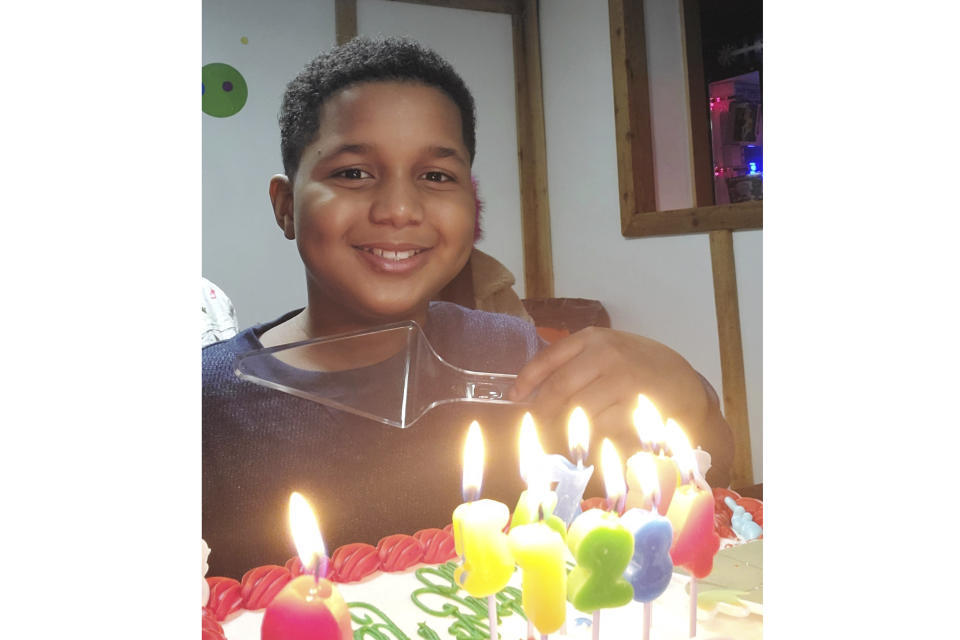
(378, 141)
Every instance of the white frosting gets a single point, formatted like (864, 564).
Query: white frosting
(390, 592)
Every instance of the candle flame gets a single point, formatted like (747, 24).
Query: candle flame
(613, 480)
(646, 472)
(305, 531)
(533, 467)
(578, 434)
(473, 460)
(648, 422)
(681, 449)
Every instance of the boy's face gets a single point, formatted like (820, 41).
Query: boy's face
(382, 203)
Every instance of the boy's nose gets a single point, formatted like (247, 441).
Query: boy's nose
(397, 202)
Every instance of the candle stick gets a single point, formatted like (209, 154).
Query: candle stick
(309, 607)
(529, 504)
(691, 514)
(653, 435)
(478, 533)
(602, 547)
(650, 568)
(572, 477)
(539, 549)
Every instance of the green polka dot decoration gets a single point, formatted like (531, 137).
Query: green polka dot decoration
(224, 90)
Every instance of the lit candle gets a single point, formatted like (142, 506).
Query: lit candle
(602, 547)
(478, 533)
(572, 477)
(309, 607)
(650, 428)
(533, 506)
(650, 568)
(539, 549)
(691, 514)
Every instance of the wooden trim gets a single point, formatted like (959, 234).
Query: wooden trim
(532, 154)
(512, 7)
(701, 157)
(631, 109)
(741, 215)
(345, 12)
(639, 215)
(731, 355)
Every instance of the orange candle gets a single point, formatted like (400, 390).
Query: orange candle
(653, 434)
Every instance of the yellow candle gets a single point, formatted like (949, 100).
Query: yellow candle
(478, 529)
(540, 551)
(480, 541)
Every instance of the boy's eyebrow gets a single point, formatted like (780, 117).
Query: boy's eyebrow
(436, 151)
(347, 148)
(447, 152)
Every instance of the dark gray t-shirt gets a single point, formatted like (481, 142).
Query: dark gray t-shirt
(365, 479)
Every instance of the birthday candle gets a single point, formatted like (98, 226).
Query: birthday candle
(650, 567)
(650, 428)
(478, 529)
(691, 512)
(538, 549)
(602, 547)
(309, 607)
(572, 477)
(533, 506)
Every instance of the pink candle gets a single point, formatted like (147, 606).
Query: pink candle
(309, 607)
(691, 515)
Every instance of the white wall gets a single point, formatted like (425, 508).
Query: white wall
(660, 287)
(244, 251)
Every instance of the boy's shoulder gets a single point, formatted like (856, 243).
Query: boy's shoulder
(481, 340)
(218, 358)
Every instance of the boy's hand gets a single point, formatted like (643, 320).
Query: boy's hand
(602, 371)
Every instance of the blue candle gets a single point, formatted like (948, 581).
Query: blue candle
(650, 567)
(572, 478)
(571, 483)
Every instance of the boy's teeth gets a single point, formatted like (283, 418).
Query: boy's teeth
(394, 255)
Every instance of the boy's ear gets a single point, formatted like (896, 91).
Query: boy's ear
(281, 195)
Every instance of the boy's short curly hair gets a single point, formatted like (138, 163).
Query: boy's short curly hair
(364, 60)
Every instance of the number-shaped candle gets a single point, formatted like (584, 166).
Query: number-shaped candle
(602, 546)
(478, 529)
(695, 542)
(650, 428)
(650, 568)
(538, 549)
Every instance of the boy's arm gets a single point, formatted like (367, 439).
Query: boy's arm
(603, 370)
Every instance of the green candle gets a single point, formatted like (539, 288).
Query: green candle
(602, 547)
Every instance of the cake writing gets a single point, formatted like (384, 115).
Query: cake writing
(439, 597)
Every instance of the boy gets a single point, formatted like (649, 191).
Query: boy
(377, 139)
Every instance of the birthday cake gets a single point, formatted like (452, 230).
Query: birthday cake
(405, 588)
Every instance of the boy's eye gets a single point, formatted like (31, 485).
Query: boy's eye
(352, 174)
(437, 176)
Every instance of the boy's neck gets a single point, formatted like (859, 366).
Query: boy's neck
(310, 324)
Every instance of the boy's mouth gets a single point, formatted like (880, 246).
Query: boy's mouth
(392, 255)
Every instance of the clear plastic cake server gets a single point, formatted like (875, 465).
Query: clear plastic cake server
(390, 374)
